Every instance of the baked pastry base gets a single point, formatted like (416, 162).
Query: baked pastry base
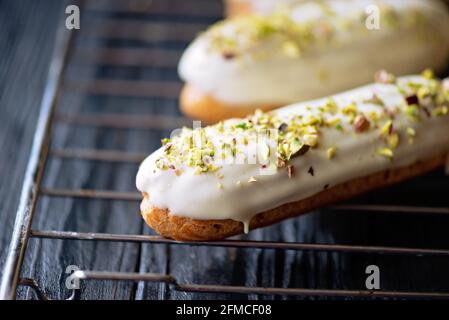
(206, 108)
(183, 228)
(235, 8)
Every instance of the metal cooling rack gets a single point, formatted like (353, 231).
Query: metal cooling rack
(154, 56)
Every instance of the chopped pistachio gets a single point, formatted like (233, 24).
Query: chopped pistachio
(291, 49)
(295, 147)
(296, 134)
(361, 123)
(220, 127)
(161, 164)
(167, 147)
(375, 100)
(412, 111)
(228, 54)
(311, 120)
(412, 99)
(331, 106)
(280, 163)
(242, 125)
(290, 171)
(393, 140)
(411, 132)
(310, 140)
(374, 116)
(220, 185)
(349, 109)
(252, 179)
(386, 128)
(428, 74)
(385, 152)
(334, 121)
(283, 127)
(331, 152)
(296, 36)
(440, 111)
(423, 93)
(351, 118)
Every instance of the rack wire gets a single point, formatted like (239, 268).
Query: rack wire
(66, 54)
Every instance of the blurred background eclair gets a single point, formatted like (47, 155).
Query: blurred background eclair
(307, 50)
(235, 8)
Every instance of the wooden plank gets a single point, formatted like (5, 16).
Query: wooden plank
(27, 31)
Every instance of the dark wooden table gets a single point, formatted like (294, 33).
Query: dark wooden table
(27, 31)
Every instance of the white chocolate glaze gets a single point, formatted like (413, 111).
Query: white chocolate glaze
(346, 57)
(239, 197)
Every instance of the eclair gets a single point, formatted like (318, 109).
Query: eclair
(212, 182)
(234, 8)
(311, 50)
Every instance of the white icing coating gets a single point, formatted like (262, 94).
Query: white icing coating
(197, 195)
(348, 60)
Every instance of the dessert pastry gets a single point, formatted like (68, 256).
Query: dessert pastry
(310, 51)
(240, 174)
(235, 8)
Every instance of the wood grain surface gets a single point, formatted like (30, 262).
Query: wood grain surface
(27, 30)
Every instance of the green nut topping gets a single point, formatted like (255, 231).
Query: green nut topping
(279, 137)
(292, 37)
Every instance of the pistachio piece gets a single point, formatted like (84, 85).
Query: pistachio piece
(387, 128)
(393, 140)
(252, 179)
(290, 171)
(428, 74)
(281, 163)
(412, 111)
(440, 111)
(331, 152)
(310, 140)
(412, 100)
(228, 55)
(411, 132)
(385, 152)
(283, 127)
(361, 123)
